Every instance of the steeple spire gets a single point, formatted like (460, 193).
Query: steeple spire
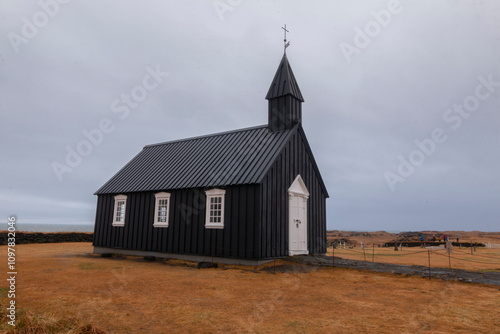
(285, 98)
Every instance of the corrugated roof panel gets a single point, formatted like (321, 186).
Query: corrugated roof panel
(210, 154)
(257, 153)
(265, 162)
(185, 156)
(218, 160)
(237, 158)
(229, 158)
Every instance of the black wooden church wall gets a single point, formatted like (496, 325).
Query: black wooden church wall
(294, 159)
(186, 233)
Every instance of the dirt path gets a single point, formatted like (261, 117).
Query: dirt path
(441, 273)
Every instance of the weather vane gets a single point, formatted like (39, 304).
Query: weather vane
(286, 44)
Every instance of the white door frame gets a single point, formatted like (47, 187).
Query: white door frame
(297, 217)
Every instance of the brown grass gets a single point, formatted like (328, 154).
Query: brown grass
(461, 258)
(381, 237)
(63, 283)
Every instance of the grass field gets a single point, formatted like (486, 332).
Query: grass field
(482, 259)
(63, 288)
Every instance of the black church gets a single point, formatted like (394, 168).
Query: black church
(238, 196)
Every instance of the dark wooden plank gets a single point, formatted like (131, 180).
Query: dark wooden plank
(195, 226)
(177, 222)
(175, 214)
(279, 207)
(243, 220)
(233, 201)
(97, 239)
(135, 204)
(108, 217)
(258, 219)
(148, 219)
(264, 219)
(143, 240)
(272, 204)
(275, 217)
(188, 225)
(208, 245)
(143, 224)
(228, 219)
(199, 214)
(250, 223)
(139, 230)
(182, 224)
(96, 232)
(137, 221)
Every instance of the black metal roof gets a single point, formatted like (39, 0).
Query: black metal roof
(223, 159)
(284, 82)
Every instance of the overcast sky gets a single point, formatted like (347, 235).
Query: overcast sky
(401, 99)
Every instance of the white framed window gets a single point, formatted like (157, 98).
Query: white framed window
(162, 203)
(119, 210)
(215, 208)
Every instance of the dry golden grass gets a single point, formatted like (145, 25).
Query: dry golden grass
(61, 281)
(461, 258)
(381, 237)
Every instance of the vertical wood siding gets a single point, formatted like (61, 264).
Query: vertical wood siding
(186, 233)
(294, 159)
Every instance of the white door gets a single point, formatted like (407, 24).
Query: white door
(297, 226)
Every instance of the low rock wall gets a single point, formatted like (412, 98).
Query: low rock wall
(42, 238)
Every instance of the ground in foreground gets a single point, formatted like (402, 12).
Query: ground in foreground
(65, 283)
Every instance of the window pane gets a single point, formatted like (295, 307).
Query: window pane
(214, 209)
(120, 211)
(163, 214)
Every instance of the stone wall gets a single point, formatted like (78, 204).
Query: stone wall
(39, 238)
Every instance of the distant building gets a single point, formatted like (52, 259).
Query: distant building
(248, 194)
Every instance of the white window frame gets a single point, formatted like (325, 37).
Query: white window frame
(214, 193)
(118, 199)
(158, 198)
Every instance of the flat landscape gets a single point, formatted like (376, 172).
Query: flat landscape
(368, 246)
(63, 288)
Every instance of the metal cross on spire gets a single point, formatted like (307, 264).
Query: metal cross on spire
(285, 43)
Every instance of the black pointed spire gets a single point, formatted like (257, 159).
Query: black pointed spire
(284, 82)
(285, 99)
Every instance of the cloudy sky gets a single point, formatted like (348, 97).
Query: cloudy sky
(401, 99)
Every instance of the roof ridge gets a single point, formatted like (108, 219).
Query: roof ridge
(208, 135)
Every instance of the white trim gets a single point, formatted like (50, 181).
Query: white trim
(214, 193)
(297, 191)
(298, 188)
(158, 197)
(119, 198)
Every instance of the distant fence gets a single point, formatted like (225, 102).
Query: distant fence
(454, 254)
(432, 243)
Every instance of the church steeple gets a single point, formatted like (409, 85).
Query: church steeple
(285, 99)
